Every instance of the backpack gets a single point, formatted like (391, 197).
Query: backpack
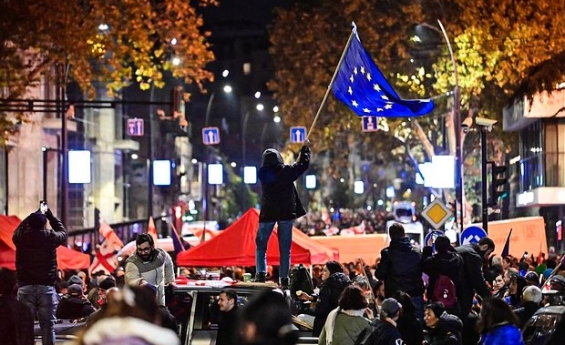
(444, 292)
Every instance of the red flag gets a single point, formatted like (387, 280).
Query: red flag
(152, 230)
(177, 240)
(106, 258)
(109, 234)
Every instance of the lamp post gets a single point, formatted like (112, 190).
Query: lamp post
(243, 159)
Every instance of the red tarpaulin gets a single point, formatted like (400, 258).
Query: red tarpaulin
(235, 246)
(66, 257)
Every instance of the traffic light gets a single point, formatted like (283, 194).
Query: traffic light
(498, 180)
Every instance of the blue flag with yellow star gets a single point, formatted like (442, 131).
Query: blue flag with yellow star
(362, 86)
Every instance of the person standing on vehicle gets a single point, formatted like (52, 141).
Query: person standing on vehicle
(227, 323)
(150, 265)
(279, 204)
(400, 268)
(36, 266)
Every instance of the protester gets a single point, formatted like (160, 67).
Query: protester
(514, 294)
(498, 287)
(74, 305)
(16, 327)
(379, 292)
(400, 268)
(327, 300)
(227, 322)
(266, 320)
(345, 323)
(444, 328)
(150, 265)
(409, 326)
(279, 204)
(36, 265)
(445, 262)
(383, 330)
(498, 324)
(532, 297)
(472, 280)
(98, 314)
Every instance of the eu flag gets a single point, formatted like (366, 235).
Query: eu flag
(362, 86)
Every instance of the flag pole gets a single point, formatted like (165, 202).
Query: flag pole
(353, 32)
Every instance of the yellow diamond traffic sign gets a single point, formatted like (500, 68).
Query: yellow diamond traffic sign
(436, 213)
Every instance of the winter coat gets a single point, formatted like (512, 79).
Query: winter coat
(448, 263)
(16, 327)
(346, 329)
(127, 330)
(447, 331)
(227, 327)
(159, 271)
(74, 307)
(506, 334)
(410, 328)
(36, 251)
(472, 279)
(279, 198)
(328, 299)
(383, 333)
(401, 269)
(526, 311)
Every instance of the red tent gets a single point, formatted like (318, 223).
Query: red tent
(235, 246)
(66, 257)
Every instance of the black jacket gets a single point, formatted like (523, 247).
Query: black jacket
(448, 263)
(383, 333)
(279, 199)
(227, 326)
(400, 268)
(526, 311)
(472, 279)
(74, 307)
(447, 331)
(328, 299)
(36, 251)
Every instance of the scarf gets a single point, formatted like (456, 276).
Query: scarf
(330, 321)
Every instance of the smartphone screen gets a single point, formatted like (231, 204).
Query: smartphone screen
(43, 206)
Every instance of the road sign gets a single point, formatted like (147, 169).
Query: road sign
(432, 234)
(436, 213)
(135, 127)
(210, 136)
(297, 134)
(472, 234)
(370, 123)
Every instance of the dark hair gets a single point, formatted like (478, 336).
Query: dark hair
(352, 298)
(396, 231)
(489, 242)
(377, 286)
(521, 283)
(495, 311)
(443, 244)
(436, 307)
(334, 267)
(406, 301)
(144, 237)
(230, 294)
(270, 313)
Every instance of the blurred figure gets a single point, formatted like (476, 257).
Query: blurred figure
(400, 268)
(498, 324)
(532, 297)
(98, 314)
(227, 322)
(514, 294)
(74, 305)
(124, 322)
(150, 265)
(266, 320)
(445, 329)
(279, 205)
(327, 300)
(409, 326)
(16, 327)
(345, 323)
(532, 278)
(498, 287)
(36, 266)
(379, 291)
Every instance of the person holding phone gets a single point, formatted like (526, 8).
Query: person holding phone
(36, 266)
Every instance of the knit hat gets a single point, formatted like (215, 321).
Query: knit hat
(75, 280)
(390, 306)
(36, 220)
(107, 283)
(75, 290)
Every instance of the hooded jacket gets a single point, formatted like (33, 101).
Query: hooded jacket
(36, 249)
(400, 268)
(447, 331)
(158, 271)
(448, 263)
(74, 307)
(328, 299)
(472, 279)
(279, 199)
